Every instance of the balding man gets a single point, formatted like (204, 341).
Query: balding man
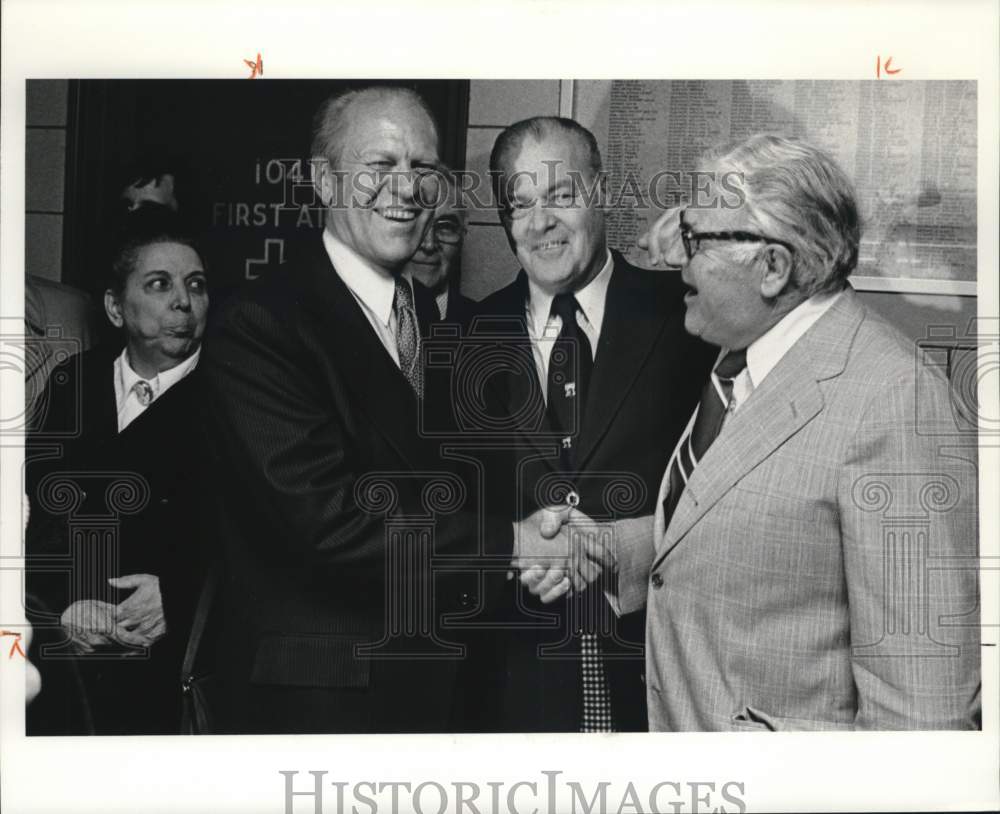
(326, 486)
(812, 563)
(608, 367)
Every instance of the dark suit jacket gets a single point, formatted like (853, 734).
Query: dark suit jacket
(331, 505)
(460, 308)
(107, 504)
(645, 383)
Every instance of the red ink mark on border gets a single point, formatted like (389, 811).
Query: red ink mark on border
(887, 67)
(256, 68)
(16, 647)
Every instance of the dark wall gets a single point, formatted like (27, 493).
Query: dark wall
(240, 151)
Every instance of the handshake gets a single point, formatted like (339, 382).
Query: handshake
(559, 550)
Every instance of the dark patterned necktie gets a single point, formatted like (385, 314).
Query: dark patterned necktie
(408, 337)
(712, 411)
(570, 365)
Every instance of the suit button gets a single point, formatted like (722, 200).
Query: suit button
(164, 501)
(657, 581)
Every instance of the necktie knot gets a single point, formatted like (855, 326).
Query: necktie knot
(732, 364)
(144, 392)
(565, 307)
(403, 297)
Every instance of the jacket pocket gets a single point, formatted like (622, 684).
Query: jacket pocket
(751, 719)
(310, 661)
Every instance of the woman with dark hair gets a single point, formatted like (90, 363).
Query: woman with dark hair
(115, 538)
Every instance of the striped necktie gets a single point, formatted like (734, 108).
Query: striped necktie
(715, 403)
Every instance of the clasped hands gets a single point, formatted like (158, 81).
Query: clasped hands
(559, 550)
(136, 621)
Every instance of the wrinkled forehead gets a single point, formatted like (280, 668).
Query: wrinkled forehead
(166, 255)
(556, 159)
(392, 124)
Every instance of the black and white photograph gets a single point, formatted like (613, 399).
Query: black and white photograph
(436, 440)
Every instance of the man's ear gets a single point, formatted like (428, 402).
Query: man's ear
(113, 308)
(603, 201)
(778, 265)
(323, 180)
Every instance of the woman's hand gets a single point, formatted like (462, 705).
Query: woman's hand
(139, 617)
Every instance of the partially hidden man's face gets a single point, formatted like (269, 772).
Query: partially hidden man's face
(384, 185)
(437, 256)
(162, 308)
(555, 220)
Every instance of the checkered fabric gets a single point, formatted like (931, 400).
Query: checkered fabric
(596, 696)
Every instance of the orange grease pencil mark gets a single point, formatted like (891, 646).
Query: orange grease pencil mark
(16, 647)
(880, 67)
(256, 68)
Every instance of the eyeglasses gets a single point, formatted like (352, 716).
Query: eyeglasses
(448, 231)
(692, 240)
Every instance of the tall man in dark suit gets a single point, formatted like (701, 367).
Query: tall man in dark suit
(605, 350)
(332, 503)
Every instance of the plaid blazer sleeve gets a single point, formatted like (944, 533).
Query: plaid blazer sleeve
(908, 512)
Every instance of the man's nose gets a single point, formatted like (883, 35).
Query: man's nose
(429, 244)
(540, 218)
(182, 301)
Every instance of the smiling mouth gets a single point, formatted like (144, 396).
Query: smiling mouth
(398, 214)
(549, 245)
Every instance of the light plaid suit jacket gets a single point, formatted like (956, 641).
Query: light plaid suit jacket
(819, 571)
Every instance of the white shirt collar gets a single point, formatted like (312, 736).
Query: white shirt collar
(126, 377)
(373, 287)
(591, 298)
(766, 351)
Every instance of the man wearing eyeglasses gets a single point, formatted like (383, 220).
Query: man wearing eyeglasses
(812, 561)
(601, 379)
(436, 263)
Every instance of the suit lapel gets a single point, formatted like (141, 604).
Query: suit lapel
(176, 401)
(381, 391)
(787, 400)
(632, 323)
(521, 393)
(97, 396)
